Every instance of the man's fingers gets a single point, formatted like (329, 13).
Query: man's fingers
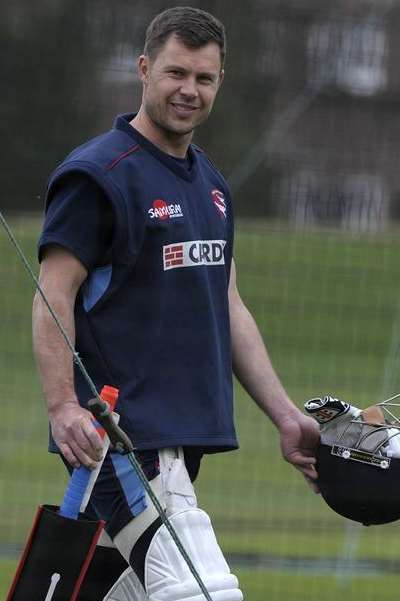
(77, 438)
(75, 456)
(86, 443)
(93, 438)
(305, 464)
(81, 444)
(302, 459)
(69, 455)
(309, 471)
(310, 474)
(312, 484)
(82, 456)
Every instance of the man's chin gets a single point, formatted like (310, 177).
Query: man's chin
(182, 127)
(180, 130)
(185, 132)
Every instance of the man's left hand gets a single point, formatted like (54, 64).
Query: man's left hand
(299, 439)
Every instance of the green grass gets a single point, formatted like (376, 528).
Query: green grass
(7, 567)
(262, 586)
(327, 304)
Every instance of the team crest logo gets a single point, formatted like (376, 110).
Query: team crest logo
(162, 210)
(219, 201)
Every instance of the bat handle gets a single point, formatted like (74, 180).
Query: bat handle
(81, 477)
(75, 492)
(120, 441)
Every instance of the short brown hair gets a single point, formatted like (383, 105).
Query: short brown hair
(192, 26)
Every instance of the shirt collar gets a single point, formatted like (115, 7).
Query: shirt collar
(122, 123)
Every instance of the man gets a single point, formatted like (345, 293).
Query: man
(136, 259)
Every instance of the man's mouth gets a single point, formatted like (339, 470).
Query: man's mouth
(184, 109)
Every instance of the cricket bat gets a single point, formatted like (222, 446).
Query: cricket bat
(62, 540)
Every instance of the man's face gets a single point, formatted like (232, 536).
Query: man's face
(180, 85)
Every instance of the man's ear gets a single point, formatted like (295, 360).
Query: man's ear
(143, 68)
(221, 78)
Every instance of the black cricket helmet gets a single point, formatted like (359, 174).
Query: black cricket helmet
(358, 459)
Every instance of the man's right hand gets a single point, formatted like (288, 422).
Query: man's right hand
(61, 277)
(76, 437)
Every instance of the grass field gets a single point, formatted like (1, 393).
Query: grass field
(328, 306)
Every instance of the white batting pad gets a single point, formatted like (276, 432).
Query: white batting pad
(128, 536)
(127, 588)
(178, 492)
(167, 576)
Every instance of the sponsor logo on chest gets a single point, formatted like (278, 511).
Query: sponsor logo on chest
(162, 210)
(194, 253)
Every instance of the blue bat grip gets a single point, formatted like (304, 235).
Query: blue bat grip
(79, 480)
(75, 492)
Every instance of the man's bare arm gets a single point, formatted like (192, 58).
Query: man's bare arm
(61, 276)
(252, 366)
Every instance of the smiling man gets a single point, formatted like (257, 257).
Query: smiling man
(136, 259)
(180, 84)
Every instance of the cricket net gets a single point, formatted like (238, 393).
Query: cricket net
(327, 304)
(305, 130)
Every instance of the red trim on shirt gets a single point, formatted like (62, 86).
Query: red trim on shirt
(122, 156)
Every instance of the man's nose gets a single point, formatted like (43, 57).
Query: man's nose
(189, 87)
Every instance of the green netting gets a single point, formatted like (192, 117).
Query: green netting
(305, 130)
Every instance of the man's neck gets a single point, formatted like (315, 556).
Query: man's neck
(173, 144)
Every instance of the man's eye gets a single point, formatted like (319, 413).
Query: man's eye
(206, 79)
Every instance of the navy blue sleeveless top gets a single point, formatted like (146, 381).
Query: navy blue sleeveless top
(152, 318)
